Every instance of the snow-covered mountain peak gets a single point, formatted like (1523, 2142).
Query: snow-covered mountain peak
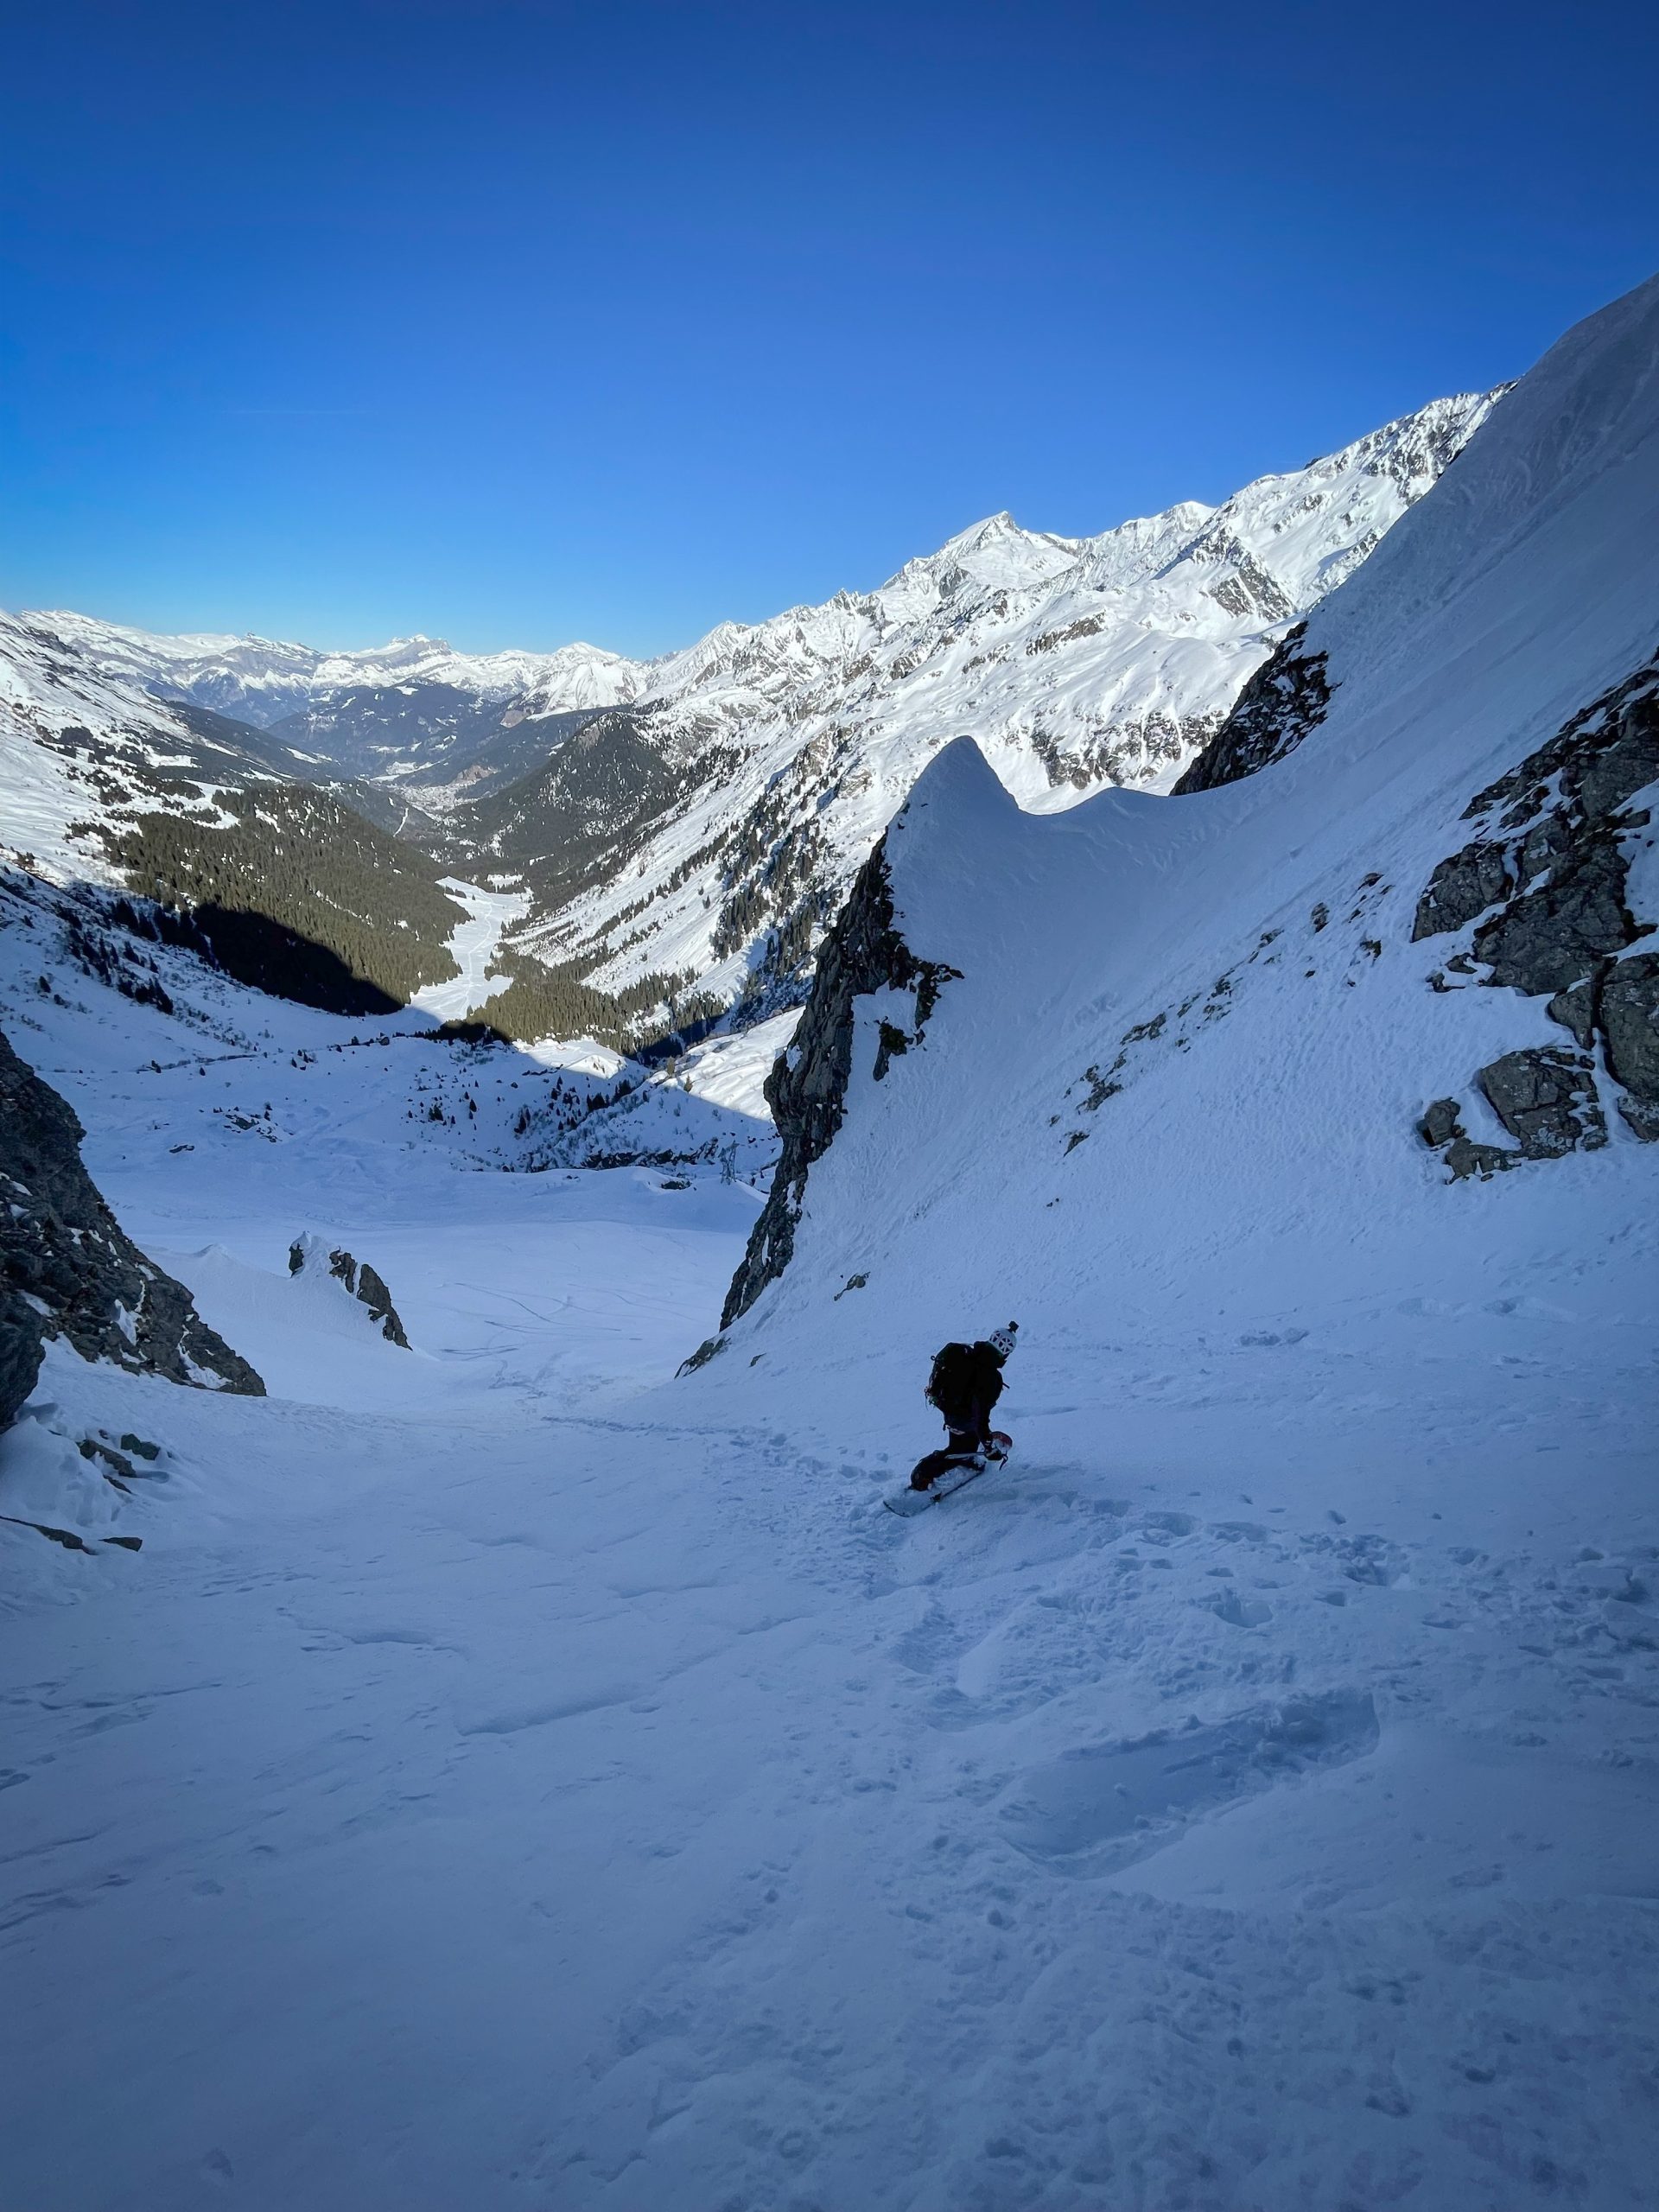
(994, 555)
(576, 677)
(1074, 662)
(263, 680)
(764, 758)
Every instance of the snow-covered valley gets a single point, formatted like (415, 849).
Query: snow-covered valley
(528, 1766)
(472, 948)
(509, 1776)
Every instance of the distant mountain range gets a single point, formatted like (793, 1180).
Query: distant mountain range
(686, 827)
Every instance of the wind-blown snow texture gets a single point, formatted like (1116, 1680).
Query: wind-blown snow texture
(510, 1778)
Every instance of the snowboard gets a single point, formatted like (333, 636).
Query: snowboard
(907, 1503)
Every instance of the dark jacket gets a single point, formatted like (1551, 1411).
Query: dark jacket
(966, 1382)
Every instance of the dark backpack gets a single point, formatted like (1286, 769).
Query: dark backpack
(951, 1380)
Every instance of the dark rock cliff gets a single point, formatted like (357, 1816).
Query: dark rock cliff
(1287, 697)
(67, 1268)
(1542, 891)
(807, 1088)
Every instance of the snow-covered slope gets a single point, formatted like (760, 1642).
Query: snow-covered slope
(262, 680)
(102, 785)
(1196, 1036)
(84, 750)
(1074, 663)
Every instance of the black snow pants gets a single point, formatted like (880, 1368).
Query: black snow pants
(964, 1445)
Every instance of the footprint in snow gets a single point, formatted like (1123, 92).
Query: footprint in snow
(1238, 1612)
(1103, 1806)
(1157, 1526)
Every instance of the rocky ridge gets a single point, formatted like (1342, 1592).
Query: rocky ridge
(1075, 663)
(311, 1254)
(863, 954)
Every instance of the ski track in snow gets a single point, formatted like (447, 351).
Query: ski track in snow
(502, 1781)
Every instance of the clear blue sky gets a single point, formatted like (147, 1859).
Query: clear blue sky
(516, 322)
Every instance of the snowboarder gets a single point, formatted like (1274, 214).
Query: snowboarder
(966, 1381)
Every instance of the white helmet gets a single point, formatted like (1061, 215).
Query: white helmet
(1001, 1340)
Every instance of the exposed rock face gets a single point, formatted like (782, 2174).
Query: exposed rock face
(1462, 887)
(1441, 1129)
(1440, 1123)
(364, 1284)
(1575, 1009)
(1555, 937)
(807, 1088)
(1546, 1100)
(1628, 1006)
(69, 1270)
(1287, 697)
(22, 1338)
(1545, 885)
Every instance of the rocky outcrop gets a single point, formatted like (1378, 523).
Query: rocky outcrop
(1556, 935)
(1462, 887)
(807, 1087)
(1546, 1098)
(1287, 697)
(67, 1268)
(1627, 1006)
(310, 1254)
(1441, 1129)
(1545, 885)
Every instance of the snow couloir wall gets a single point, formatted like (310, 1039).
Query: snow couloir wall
(68, 1269)
(1260, 1050)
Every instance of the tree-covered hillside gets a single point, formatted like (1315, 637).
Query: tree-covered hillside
(299, 895)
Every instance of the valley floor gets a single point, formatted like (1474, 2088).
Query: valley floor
(508, 1777)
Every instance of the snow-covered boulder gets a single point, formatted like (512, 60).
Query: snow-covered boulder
(312, 1254)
